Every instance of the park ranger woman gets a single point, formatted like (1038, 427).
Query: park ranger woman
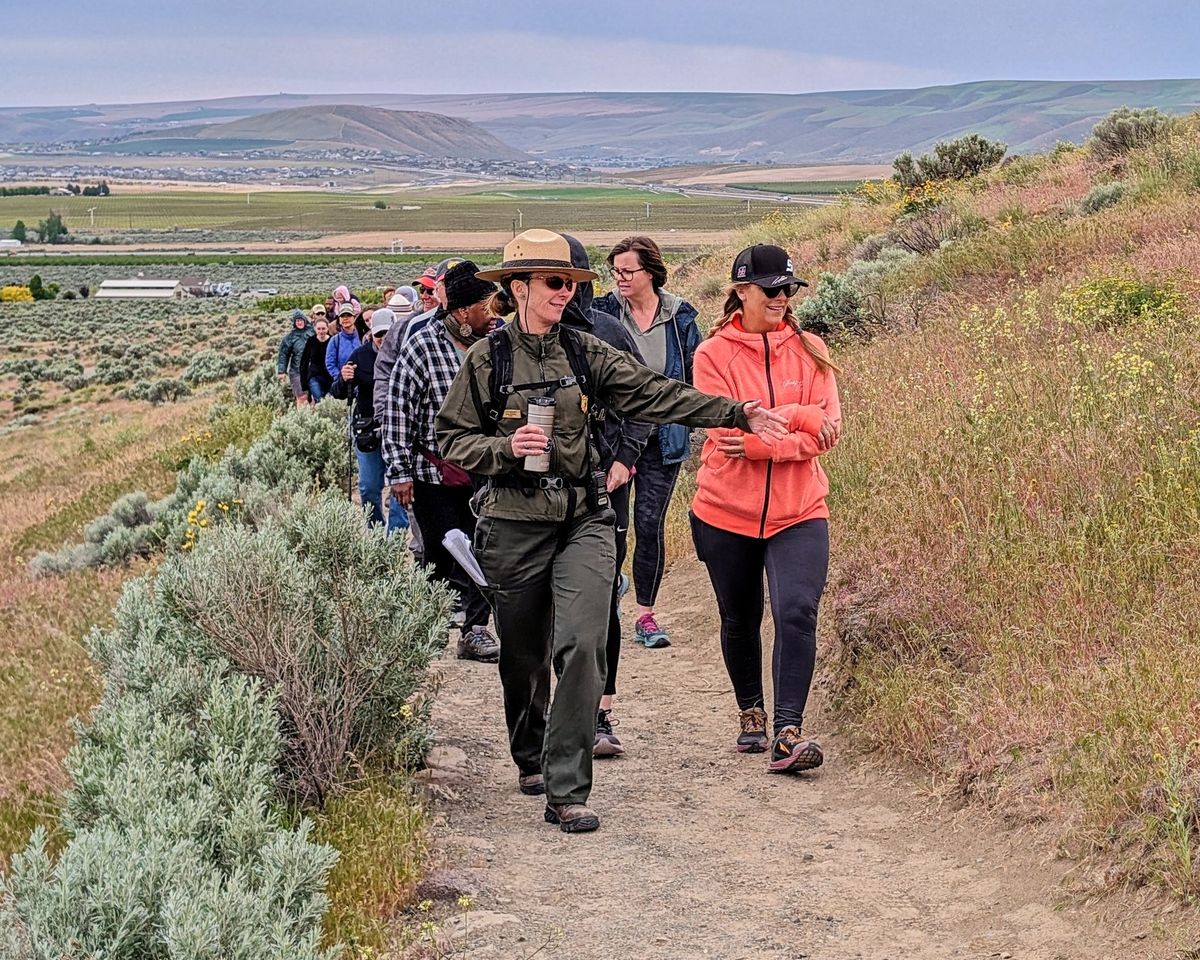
(545, 534)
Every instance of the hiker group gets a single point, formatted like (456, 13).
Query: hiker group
(516, 425)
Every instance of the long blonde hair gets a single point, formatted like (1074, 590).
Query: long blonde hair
(733, 306)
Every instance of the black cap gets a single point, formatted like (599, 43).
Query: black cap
(463, 288)
(764, 265)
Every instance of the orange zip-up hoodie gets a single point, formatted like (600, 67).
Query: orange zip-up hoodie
(780, 482)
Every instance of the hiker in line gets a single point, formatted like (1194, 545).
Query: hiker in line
(760, 503)
(425, 285)
(544, 538)
(357, 382)
(312, 363)
(439, 492)
(402, 304)
(343, 343)
(291, 352)
(620, 443)
(664, 328)
(438, 275)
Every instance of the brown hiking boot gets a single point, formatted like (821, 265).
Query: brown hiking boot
(532, 784)
(753, 738)
(572, 817)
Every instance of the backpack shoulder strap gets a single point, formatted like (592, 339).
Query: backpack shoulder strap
(501, 361)
(577, 358)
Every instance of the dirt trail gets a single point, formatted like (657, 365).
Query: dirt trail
(702, 854)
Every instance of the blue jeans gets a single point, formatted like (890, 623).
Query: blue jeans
(370, 483)
(315, 392)
(397, 516)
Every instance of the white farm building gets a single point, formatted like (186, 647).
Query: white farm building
(141, 290)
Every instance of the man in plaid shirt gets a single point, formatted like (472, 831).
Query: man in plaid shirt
(439, 493)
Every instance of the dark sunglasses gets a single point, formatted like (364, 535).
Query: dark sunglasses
(557, 283)
(772, 292)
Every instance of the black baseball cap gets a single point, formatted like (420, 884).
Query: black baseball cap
(764, 265)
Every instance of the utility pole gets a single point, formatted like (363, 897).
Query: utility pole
(647, 211)
(747, 206)
(520, 220)
(92, 214)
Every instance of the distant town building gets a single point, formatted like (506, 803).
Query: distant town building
(141, 290)
(9, 244)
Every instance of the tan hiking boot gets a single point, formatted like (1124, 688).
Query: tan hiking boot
(572, 817)
(478, 644)
(753, 738)
(792, 752)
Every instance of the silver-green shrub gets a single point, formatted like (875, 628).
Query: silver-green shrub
(304, 450)
(208, 366)
(1101, 196)
(179, 846)
(866, 298)
(332, 615)
(1125, 129)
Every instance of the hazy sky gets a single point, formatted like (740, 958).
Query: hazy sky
(71, 51)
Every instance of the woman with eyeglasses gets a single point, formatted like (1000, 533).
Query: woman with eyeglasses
(760, 503)
(664, 328)
(522, 415)
(356, 380)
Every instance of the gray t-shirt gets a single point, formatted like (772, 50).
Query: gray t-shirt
(652, 343)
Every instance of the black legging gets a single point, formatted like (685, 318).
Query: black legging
(620, 504)
(796, 561)
(653, 484)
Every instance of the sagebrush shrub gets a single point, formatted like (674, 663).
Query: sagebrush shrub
(1126, 129)
(863, 299)
(208, 366)
(179, 847)
(334, 617)
(303, 450)
(957, 159)
(1101, 196)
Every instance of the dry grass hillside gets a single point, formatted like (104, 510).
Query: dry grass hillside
(1016, 498)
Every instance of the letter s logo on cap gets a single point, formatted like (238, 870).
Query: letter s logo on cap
(741, 271)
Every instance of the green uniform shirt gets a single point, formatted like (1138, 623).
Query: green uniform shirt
(628, 387)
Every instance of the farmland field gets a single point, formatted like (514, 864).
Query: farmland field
(813, 187)
(309, 211)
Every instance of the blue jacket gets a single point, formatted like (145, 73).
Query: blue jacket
(683, 337)
(339, 349)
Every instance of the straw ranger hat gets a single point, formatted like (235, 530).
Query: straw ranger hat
(537, 251)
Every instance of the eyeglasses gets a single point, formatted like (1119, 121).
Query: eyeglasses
(557, 283)
(626, 274)
(772, 292)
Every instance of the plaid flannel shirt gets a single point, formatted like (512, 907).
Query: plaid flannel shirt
(420, 381)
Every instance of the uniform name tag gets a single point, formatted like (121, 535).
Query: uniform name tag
(511, 415)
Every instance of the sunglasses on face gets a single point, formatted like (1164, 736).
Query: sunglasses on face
(623, 273)
(557, 283)
(788, 288)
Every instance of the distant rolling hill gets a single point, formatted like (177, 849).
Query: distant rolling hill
(845, 126)
(411, 132)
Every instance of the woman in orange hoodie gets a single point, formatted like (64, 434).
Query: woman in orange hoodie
(760, 505)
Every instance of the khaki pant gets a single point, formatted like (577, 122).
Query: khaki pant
(551, 590)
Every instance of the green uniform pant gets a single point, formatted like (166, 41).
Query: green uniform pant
(551, 591)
